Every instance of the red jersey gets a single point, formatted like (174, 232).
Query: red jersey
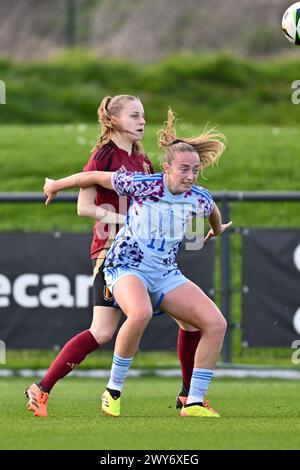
(111, 158)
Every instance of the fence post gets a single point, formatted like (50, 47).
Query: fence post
(226, 278)
(70, 22)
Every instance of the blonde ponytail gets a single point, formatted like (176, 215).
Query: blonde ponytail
(209, 145)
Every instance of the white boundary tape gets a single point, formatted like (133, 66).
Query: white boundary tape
(238, 373)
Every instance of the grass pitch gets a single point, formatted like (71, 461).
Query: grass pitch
(258, 158)
(256, 414)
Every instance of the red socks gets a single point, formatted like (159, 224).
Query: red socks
(75, 351)
(72, 354)
(186, 347)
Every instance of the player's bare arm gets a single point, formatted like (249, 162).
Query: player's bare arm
(78, 180)
(87, 207)
(216, 224)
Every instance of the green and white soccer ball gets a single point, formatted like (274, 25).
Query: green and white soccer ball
(291, 23)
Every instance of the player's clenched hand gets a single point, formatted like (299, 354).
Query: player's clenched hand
(49, 190)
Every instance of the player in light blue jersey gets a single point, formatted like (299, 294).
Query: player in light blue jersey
(140, 266)
(156, 222)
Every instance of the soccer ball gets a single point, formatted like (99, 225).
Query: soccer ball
(291, 23)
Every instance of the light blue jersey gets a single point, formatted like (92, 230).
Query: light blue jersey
(155, 226)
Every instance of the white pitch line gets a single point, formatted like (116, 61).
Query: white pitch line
(238, 373)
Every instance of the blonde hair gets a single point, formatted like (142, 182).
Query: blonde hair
(109, 110)
(209, 145)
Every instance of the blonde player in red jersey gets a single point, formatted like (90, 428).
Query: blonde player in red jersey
(118, 147)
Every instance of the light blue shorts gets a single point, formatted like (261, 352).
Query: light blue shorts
(157, 286)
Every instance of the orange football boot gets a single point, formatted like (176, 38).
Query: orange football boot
(182, 398)
(38, 400)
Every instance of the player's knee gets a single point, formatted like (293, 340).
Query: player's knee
(219, 326)
(102, 336)
(141, 317)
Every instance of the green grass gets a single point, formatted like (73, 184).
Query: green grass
(224, 88)
(41, 359)
(255, 415)
(18, 359)
(257, 158)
